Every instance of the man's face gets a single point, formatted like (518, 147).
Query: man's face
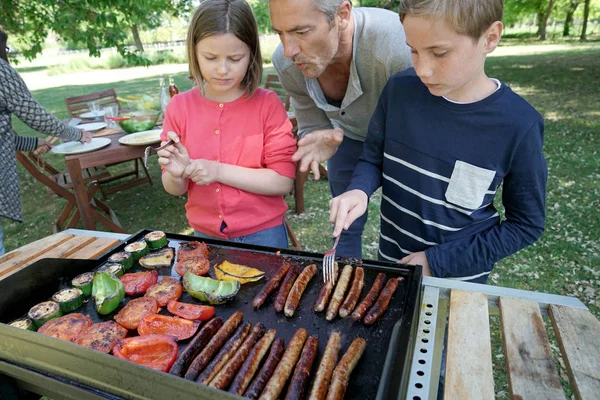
(308, 38)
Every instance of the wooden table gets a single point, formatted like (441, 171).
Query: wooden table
(461, 309)
(112, 154)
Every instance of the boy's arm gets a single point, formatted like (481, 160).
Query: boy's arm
(523, 197)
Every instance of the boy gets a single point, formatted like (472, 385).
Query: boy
(442, 139)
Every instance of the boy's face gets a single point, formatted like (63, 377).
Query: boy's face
(448, 63)
(306, 35)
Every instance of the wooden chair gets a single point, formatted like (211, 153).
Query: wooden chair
(274, 84)
(60, 184)
(78, 105)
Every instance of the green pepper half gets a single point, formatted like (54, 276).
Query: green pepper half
(108, 292)
(210, 290)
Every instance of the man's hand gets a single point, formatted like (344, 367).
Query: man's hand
(43, 146)
(346, 208)
(316, 147)
(202, 172)
(86, 136)
(175, 158)
(418, 258)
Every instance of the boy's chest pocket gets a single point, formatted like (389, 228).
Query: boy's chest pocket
(468, 185)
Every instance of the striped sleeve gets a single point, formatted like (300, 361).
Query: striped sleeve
(25, 143)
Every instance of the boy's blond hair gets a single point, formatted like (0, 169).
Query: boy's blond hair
(468, 17)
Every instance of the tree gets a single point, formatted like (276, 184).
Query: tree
(94, 23)
(544, 12)
(570, 12)
(586, 16)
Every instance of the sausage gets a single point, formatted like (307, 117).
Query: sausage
(382, 301)
(341, 373)
(360, 311)
(326, 290)
(298, 288)
(259, 383)
(302, 370)
(328, 362)
(214, 345)
(285, 287)
(225, 354)
(196, 344)
(227, 373)
(358, 281)
(247, 371)
(338, 294)
(270, 286)
(284, 368)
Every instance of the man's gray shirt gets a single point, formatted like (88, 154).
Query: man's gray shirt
(379, 51)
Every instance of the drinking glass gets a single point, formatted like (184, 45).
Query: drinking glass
(110, 111)
(94, 108)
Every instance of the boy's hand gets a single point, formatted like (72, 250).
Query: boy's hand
(202, 172)
(346, 208)
(316, 147)
(418, 258)
(175, 158)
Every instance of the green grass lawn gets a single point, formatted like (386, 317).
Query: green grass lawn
(562, 85)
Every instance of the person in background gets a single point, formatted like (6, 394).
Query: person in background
(334, 61)
(233, 140)
(16, 99)
(443, 138)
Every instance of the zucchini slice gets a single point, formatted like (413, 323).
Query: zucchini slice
(84, 282)
(69, 299)
(111, 269)
(137, 249)
(24, 323)
(156, 239)
(158, 259)
(44, 312)
(124, 258)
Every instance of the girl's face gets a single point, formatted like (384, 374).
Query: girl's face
(223, 61)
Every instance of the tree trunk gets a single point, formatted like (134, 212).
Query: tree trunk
(136, 38)
(586, 15)
(573, 4)
(543, 16)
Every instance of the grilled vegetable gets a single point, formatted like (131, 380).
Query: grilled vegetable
(115, 270)
(68, 299)
(227, 271)
(137, 283)
(108, 292)
(84, 282)
(102, 336)
(131, 315)
(68, 327)
(154, 351)
(166, 289)
(179, 328)
(190, 311)
(156, 239)
(158, 259)
(210, 290)
(43, 312)
(24, 323)
(137, 249)
(124, 258)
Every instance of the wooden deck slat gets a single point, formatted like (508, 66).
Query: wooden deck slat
(469, 352)
(530, 366)
(31, 251)
(62, 250)
(578, 334)
(94, 249)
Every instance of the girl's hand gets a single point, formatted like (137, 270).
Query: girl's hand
(175, 158)
(86, 136)
(346, 208)
(202, 172)
(418, 258)
(43, 146)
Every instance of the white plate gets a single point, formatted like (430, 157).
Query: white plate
(92, 126)
(78, 147)
(90, 114)
(143, 138)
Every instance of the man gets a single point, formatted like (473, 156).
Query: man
(334, 61)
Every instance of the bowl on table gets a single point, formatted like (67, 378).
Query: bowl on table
(137, 121)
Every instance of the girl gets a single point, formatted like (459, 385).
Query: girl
(233, 141)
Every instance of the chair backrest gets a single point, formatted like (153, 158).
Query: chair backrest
(42, 172)
(79, 104)
(273, 84)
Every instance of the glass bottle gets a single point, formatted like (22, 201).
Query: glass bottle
(163, 97)
(173, 89)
